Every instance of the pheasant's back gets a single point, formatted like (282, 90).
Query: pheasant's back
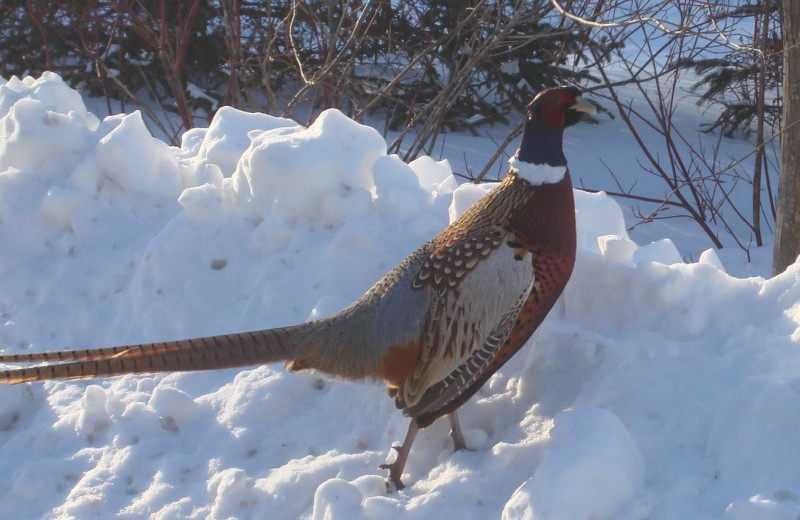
(378, 332)
(417, 323)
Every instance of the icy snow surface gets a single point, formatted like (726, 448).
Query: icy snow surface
(656, 389)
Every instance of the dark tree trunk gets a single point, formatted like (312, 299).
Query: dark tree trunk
(787, 228)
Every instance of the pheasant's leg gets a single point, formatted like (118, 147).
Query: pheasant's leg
(396, 467)
(456, 433)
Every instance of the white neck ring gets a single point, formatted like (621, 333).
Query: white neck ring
(537, 174)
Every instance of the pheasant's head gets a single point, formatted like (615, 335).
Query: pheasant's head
(550, 112)
(559, 107)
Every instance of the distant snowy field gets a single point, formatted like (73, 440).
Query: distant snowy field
(657, 389)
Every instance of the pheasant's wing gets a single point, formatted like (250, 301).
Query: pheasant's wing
(461, 379)
(467, 315)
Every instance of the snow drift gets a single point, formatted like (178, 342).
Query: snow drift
(655, 389)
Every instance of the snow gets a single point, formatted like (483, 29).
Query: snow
(592, 467)
(655, 389)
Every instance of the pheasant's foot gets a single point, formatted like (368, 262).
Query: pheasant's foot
(393, 483)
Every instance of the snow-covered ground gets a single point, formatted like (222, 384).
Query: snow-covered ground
(657, 389)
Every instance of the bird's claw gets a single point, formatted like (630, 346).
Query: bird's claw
(393, 482)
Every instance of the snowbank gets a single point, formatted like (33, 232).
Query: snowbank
(656, 389)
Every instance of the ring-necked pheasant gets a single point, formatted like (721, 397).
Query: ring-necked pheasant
(438, 325)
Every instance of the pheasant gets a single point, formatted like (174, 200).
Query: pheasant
(437, 326)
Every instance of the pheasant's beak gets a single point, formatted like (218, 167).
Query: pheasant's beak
(581, 105)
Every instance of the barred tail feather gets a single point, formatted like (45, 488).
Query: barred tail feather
(226, 351)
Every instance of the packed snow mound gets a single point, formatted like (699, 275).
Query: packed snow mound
(655, 389)
(592, 468)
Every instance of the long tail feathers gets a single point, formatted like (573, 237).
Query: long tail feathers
(227, 351)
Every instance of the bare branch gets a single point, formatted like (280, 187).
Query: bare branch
(644, 20)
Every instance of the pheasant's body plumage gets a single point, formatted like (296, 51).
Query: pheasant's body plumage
(434, 329)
